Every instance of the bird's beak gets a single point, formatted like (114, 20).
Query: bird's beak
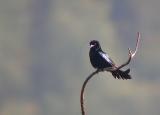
(91, 46)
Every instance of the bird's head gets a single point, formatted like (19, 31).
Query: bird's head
(94, 44)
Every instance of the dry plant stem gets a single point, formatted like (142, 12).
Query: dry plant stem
(82, 90)
(131, 55)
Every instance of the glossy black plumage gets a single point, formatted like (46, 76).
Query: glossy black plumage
(101, 60)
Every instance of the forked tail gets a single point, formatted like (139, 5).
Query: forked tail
(121, 74)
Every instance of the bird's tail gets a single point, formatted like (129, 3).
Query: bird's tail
(121, 74)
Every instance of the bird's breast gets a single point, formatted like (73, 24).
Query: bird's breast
(97, 60)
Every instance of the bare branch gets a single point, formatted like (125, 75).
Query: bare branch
(137, 44)
(82, 90)
(131, 55)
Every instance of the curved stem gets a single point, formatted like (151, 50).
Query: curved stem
(82, 90)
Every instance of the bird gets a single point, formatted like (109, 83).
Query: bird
(101, 60)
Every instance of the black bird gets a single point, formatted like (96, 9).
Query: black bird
(100, 60)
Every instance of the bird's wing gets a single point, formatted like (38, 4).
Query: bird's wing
(107, 58)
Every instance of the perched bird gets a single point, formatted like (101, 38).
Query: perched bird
(100, 60)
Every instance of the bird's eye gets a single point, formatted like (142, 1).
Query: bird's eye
(94, 43)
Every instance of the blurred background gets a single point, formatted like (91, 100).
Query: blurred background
(44, 56)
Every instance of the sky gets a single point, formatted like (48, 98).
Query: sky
(44, 56)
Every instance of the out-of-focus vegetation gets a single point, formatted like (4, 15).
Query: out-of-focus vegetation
(44, 56)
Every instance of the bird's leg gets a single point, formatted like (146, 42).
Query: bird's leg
(101, 69)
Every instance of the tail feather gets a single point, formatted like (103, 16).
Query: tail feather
(121, 74)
